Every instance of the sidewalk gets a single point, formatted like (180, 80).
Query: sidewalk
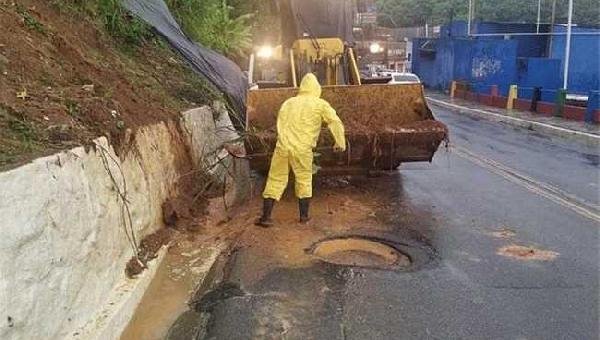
(583, 132)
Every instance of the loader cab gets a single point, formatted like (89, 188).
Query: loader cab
(329, 59)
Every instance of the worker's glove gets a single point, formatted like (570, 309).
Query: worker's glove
(338, 148)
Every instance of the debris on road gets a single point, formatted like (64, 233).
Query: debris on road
(149, 248)
(504, 233)
(527, 253)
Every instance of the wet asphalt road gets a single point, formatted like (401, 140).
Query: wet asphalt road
(467, 291)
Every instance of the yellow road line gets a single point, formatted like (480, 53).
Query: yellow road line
(548, 191)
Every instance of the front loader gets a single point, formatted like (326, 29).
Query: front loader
(386, 125)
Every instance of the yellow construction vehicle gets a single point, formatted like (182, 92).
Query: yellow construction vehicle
(385, 124)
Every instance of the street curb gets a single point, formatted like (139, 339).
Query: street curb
(583, 137)
(121, 304)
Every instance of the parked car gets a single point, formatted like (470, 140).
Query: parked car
(404, 78)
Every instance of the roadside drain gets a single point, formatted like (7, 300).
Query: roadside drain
(360, 252)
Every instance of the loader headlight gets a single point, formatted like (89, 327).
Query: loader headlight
(265, 52)
(375, 48)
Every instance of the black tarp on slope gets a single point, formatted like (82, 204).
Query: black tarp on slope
(318, 18)
(220, 71)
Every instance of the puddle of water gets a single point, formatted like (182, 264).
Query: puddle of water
(592, 159)
(360, 252)
(167, 297)
(162, 303)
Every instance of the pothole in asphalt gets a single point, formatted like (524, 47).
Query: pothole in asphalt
(360, 252)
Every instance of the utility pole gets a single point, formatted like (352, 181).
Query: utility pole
(568, 45)
(470, 18)
(539, 12)
(552, 28)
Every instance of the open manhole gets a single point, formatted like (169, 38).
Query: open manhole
(360, 252)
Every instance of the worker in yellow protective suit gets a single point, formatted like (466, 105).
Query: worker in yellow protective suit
(299, 124)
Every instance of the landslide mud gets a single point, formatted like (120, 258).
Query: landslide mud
(148, 251)
(343, 207)
(527, 253)
(272, 276)
(385, 125)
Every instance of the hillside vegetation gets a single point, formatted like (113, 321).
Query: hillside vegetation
(73, 70)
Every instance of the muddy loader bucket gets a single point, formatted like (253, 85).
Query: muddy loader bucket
(385, 126)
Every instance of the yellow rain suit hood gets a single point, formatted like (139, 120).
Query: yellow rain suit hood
(299, 124)
(300, 119)
(310, 86)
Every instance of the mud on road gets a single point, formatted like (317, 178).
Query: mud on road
(281, 281)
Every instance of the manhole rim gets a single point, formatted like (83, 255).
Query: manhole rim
(394, 261)
(418, 253)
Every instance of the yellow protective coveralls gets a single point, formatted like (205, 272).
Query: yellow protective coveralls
(299, 123)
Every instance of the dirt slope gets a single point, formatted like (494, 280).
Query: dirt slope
(65, 81)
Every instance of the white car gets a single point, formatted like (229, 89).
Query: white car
(404, 78)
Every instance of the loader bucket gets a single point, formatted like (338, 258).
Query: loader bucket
(385, 126)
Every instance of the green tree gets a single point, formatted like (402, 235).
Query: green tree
(585, 12)
(265, 19)
(419, 12)
(214, 24)
(405, 12)
(446, 11)
(435, 12)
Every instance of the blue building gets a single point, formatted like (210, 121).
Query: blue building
(584, 68)
(503, 60)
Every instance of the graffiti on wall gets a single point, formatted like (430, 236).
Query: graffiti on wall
(485, 66)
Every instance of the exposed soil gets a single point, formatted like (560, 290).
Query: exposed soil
(340, 206)
(152, 244)
(64, 81)
(148, 251)
(134, 267)
(343, 207)
(431, 126)
(527, 253)
(185, 212)
(184, 215)
(433, 130)
(384, 125)
(188, 210)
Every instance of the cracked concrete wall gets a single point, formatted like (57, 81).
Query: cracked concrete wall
(63, 247)
(207, 130)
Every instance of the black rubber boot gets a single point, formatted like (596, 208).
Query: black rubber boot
(265, 220)
(304, 205)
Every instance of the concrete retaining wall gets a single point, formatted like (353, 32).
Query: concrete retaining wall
(63, 247)
(207, 129)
